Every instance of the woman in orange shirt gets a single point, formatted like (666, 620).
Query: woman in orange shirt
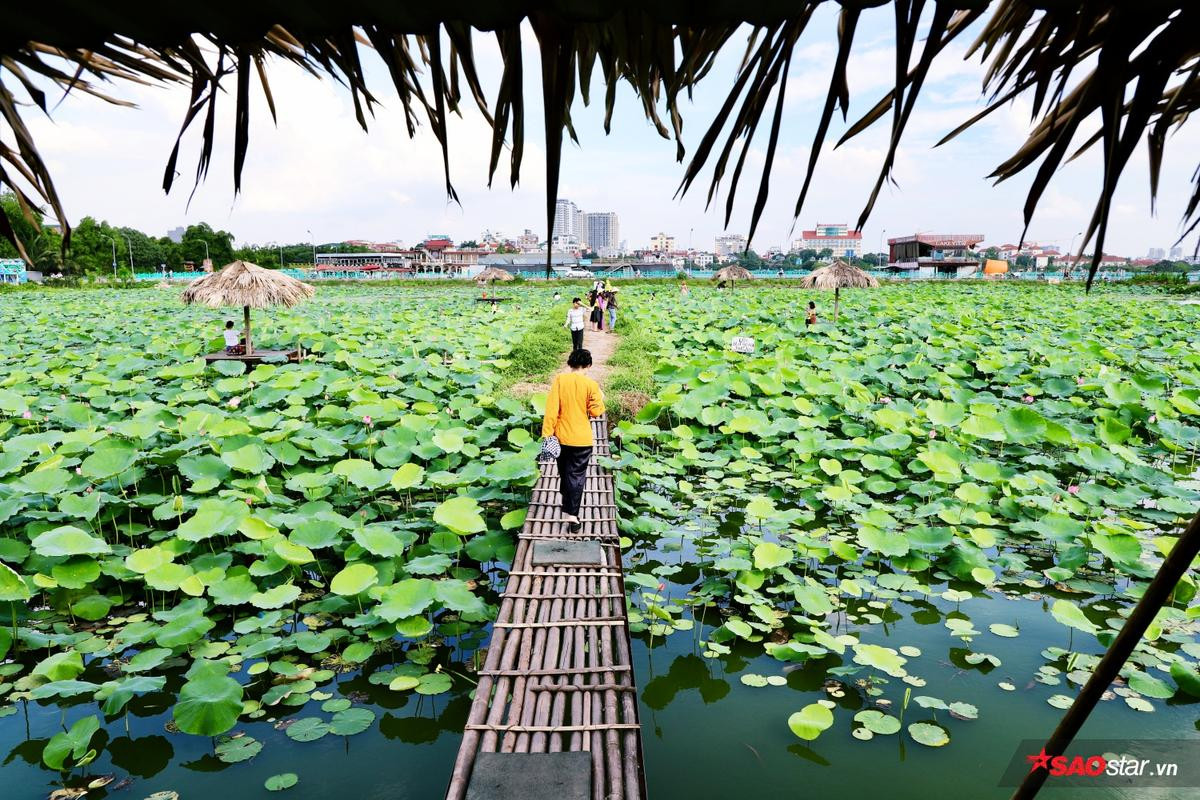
(573, 399)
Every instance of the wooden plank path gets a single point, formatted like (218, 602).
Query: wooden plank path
(558, 677)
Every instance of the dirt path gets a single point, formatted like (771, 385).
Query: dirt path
(601, 344)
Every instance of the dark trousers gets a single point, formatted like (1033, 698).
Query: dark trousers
(572, 475)
(577, 340)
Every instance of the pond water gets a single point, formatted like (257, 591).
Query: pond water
(705, 733)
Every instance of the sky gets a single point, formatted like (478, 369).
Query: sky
(316, 175)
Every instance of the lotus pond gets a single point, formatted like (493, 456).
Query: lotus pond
(902, 542)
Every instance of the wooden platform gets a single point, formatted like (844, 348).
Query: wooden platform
(558, 675)
(257, 357)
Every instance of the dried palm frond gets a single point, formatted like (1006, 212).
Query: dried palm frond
(1142, 57)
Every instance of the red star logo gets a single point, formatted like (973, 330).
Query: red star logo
(1039, 761)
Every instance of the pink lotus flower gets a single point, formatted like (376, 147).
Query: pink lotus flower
(367, 420)
(1072, 489)
(932, 433)
(89, 490)
(1028, 399)
(1153, 418)
(885, 400)
(234, 402)
(79, 470)
(1079, 381)
(662, 586)
(26, 414)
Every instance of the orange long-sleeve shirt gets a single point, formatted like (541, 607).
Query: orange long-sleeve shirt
(573, 398)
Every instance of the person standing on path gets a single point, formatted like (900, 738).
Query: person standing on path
(576, 322)
(574, 398)
(612, 310)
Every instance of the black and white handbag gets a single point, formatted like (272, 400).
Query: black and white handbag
(551, 449)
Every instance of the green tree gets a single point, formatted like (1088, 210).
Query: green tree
(825, 254)
(750, 260)
(992, 253)
(1024, 262)
(94, 247)
(147, 253)
(219, 245)
(469, 244)
(42, 245)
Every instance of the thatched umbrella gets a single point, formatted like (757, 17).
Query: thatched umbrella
(731, 273)
(837, 276)
(494, 274)
(249, 286)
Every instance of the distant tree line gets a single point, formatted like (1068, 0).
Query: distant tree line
(100, 248)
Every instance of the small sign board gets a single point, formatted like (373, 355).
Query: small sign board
(742, 344)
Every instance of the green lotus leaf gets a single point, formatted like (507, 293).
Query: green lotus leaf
(71, 743)
(209, 701)
(351, 721)
(277, 597)
(928, 734)
(809, 722)
(877, 722)
(232, 750)
(308, 729)
(460, 514)
(68, 541)
(354, 579)
(277, 783)
(1072, 615)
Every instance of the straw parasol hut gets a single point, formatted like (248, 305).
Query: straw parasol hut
(731, 273)
(493, 274)
(249, 286)
(837, 276)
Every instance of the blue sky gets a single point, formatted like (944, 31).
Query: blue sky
(316, 170)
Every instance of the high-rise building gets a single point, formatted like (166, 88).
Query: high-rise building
(729, 245)
(662, 243)
(1157, 253)
(568, 223)
(175, 235)
(602, 232)
(837, 237)
(1176, 253)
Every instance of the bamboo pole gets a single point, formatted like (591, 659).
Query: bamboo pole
(1155, 597)
(246, 319)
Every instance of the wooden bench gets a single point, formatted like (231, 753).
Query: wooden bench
(255, 357)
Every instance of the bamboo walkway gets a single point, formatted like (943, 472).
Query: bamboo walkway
(558, 677)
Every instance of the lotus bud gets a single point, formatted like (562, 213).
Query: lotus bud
(1079, 381)
(1153, 418)
(1028, 399)
(79, 470)
(234, 402)
(26, 414)
(367, 420)
(1072, 489)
